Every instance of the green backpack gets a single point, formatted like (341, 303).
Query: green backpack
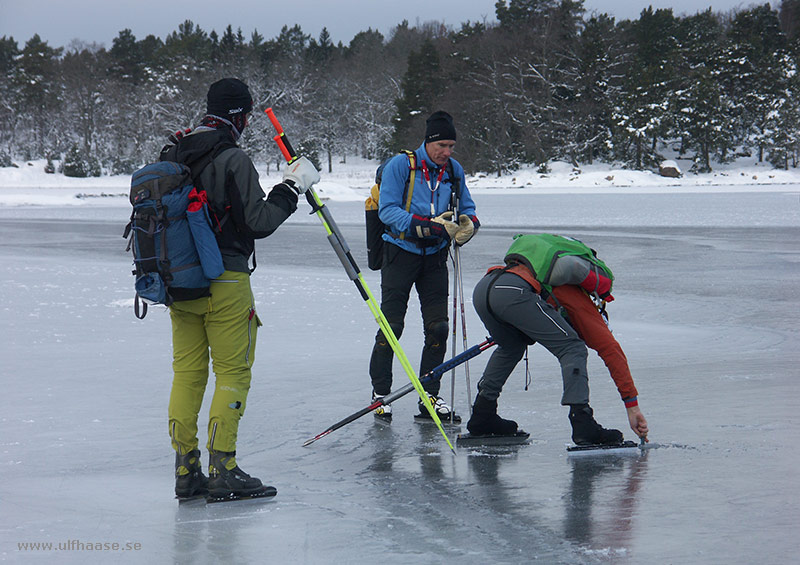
(556, 260)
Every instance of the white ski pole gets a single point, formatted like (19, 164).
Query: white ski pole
(460, 282)
(455, 300)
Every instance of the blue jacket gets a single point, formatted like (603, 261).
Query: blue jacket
(391, 206)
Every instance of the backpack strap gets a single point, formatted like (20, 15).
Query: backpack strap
(455, 189)
(409, 188)
(412, 166)
(197, 166)
(199, 162)
(139, 307)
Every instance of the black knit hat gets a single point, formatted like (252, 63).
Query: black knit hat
(440, 126)
(227, 97)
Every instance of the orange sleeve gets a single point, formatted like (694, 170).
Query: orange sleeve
(592, 329)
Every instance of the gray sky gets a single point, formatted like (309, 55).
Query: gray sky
(100, 21)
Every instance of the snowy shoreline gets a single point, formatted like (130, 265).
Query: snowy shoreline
(29, 185)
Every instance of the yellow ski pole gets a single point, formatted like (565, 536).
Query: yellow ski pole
(342, 250)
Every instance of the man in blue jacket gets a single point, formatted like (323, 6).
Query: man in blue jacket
(419, 230)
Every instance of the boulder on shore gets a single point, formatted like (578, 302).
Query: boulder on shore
(669, 169)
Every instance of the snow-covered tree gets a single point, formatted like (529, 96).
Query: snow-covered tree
(641, 115)
(753, 74)
(700, 107)
(9, 95)
(35, 81)
(422, 86)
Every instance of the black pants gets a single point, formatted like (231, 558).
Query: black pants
(428, 273)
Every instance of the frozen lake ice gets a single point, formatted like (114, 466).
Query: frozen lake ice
(706, 310)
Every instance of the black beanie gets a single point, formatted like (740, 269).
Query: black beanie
(227, 97)
(440, 126)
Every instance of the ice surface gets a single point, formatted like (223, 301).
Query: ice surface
(706, 311)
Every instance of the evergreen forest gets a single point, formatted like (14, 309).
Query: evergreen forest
(545, 81)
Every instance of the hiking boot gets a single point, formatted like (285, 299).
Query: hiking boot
(382, 412)
(189, 477)
(586, 431)
(227, 480)
(485, 421)
(444, 411)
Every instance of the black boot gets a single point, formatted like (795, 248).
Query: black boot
(189, 477)
(485, 421)
(227, 480)
(586, 431)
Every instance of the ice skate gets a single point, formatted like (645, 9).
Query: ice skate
(586, 431)
(190, 482)
(446, 413)
(486, 422)
(384, 412)
(226, 481)
(486, 428)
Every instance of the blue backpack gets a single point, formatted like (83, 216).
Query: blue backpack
(175, 251)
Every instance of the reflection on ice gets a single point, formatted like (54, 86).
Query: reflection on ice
(601, 501)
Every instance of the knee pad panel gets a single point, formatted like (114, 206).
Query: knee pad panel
(380, 338)
(436, 333)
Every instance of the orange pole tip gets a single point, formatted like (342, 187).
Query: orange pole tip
(271, 115)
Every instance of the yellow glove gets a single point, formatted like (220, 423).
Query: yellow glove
(466, 229)
(449, 225)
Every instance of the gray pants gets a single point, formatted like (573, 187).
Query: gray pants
(518, 317)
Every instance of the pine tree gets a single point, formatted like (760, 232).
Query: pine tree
(188, 45)
(783, 121)
(521, 12)
(595, 90)
(561, 56)
(83, 77)
(126, 58)
(641, 117)
(700, 106)
(9, 93)
(75, 164)
(789, 16)
(35, 79)
(229, 44)
(753, 74)
(292, 42)
(319, 53)
(421, 86)
(370, 93)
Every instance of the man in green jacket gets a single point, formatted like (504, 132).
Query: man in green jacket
(224, 323)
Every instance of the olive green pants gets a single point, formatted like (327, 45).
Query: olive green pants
(223, 325)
